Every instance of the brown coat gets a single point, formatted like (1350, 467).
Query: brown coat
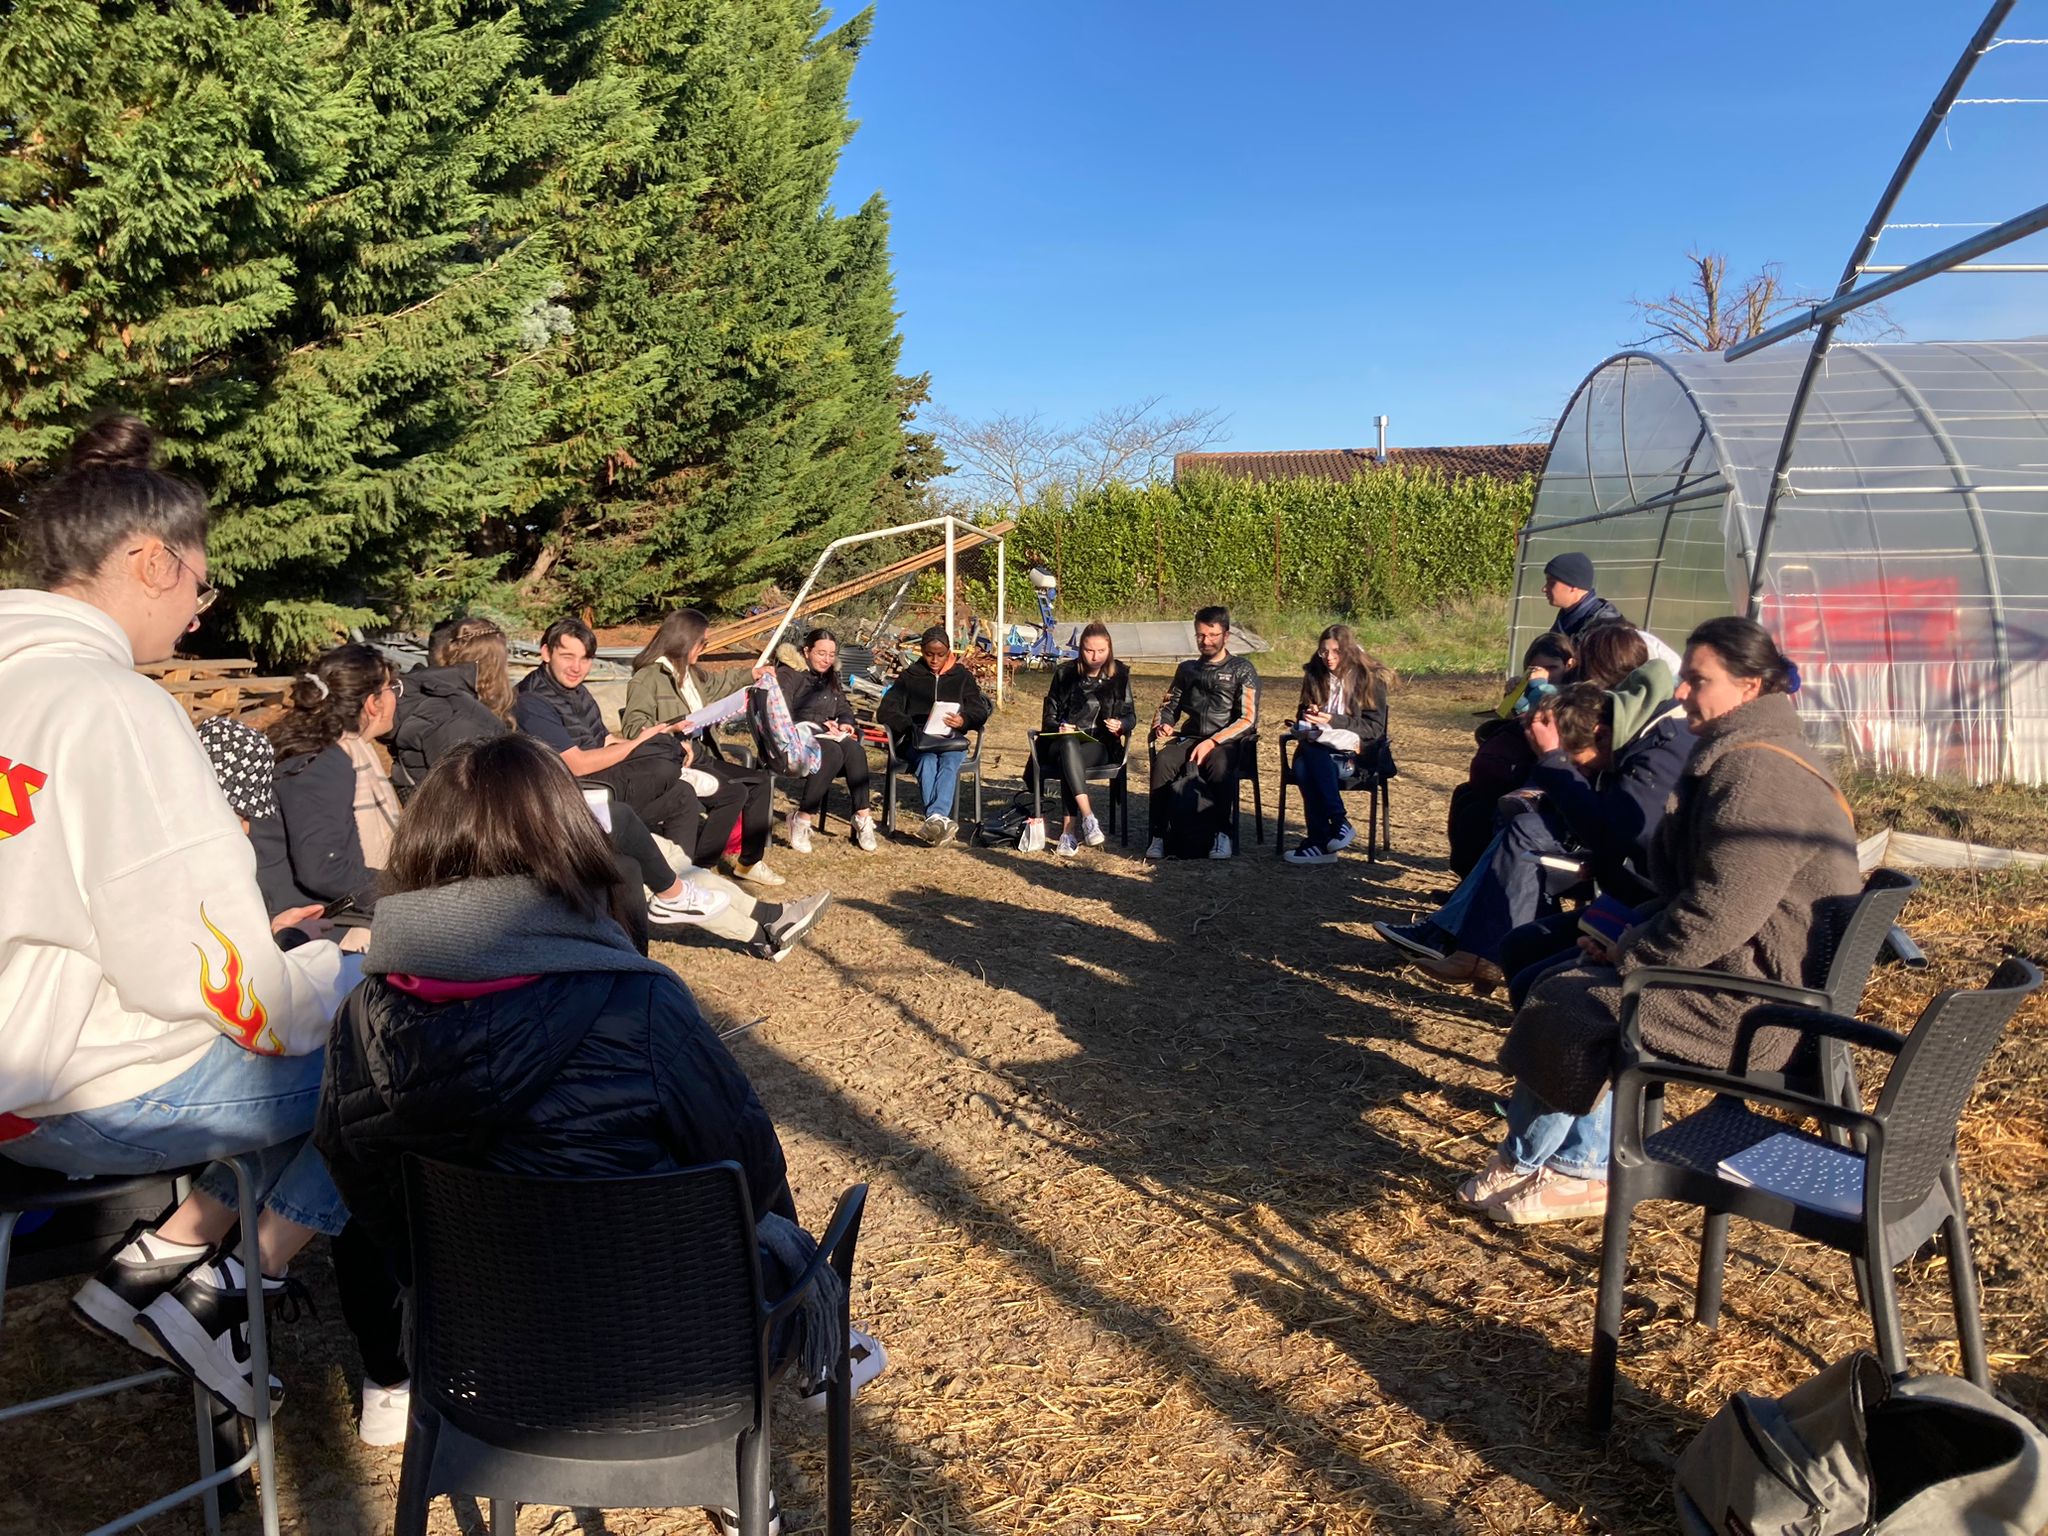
(1760, 864)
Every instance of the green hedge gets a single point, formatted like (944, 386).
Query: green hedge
(1384, 543)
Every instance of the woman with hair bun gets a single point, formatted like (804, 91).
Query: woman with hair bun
(147, 1019)
(336, 807)
(1755, 860)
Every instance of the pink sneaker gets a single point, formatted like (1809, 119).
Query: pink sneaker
(1496, 1181)
(1551, 1196)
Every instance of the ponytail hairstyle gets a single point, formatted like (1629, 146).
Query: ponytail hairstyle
(1746, 649)
(829, 679)
(1366, 678)
(1096, 629)
(679, 635)
(481, 644)
(108, 490)
(327, 700)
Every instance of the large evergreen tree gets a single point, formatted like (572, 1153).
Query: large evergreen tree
(422, 288)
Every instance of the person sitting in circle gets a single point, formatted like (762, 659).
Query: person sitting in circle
(1342, 721)
(817, 697)
(1087, 720)
(928, 712)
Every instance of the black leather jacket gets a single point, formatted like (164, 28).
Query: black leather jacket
(1213, 698)
(1085, 702)
(582, 1075)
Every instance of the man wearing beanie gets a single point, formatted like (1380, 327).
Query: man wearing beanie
(1568, 587)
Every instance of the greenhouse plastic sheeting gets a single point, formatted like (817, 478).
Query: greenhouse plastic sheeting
(1907, 570)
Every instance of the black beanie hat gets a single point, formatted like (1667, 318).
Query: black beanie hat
(1572, 568)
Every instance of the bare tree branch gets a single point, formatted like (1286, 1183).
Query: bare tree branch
(1708, 315)
(1016, 459)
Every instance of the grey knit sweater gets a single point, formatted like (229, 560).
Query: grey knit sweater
(483, 930)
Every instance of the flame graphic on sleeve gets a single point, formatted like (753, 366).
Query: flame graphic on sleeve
(236, 1005)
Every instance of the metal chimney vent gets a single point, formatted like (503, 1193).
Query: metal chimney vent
(1381, 423)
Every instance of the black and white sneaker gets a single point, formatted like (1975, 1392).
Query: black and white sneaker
(865, 1360)
(1424, 940)
(142, 1269)
(1346, 836)
(201, 1326)
(728, 1520)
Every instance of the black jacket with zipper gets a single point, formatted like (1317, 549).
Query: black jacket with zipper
(908, 703)
(581, 1075)
(1085, 702)
(310, 853)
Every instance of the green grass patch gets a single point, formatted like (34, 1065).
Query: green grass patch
(1463, 637)
(1995, 815)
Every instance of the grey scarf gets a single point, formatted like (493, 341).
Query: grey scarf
(484, 930)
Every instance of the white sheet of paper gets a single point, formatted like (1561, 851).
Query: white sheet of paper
(600, 805)
(935, 722)
(731, 707)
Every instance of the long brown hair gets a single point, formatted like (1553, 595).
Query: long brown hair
(1366, 678)
(327, 699)
(1094, 629)
(481, 644)
(679, 635)
(498, 807)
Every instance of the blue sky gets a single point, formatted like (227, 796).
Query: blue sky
(1305, 214)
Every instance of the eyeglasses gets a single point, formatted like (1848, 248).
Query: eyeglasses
(208, 593)
(397, 687)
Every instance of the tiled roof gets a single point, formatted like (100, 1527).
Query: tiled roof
(1498, 461)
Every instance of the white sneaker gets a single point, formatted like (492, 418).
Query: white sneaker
(1346, 836)
(1156, 849)
(1068, 845)
(689, 905)
(1220, 849)
(865, 1360)
(1310, 853)
(1092, 833)
(932, 830)
(385, 1410)
(864, 832)
(799, 834)
(757, 873)
(1032, 838)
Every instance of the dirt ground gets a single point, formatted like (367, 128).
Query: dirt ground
(1160, 1232)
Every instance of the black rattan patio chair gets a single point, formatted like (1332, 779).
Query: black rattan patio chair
(1910, 1189)
(1370, 779)
(899, 769)
(601, 1343)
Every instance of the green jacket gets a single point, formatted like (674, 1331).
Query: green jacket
(655, 697)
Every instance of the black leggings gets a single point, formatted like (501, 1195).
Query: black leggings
(1070, 757)
(635, 844)
(369, 1289)
(757, 808)
(837, 758)
(652, 785)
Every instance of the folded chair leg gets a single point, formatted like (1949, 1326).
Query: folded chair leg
(1890, 1332)
(1962, 1283)
(504, 1517)
(249, 1206)
(415, 1472)
(1706, 1305)
(755, 1496)
(839, 1457)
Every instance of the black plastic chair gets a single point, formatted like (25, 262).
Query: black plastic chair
(636, 1377)
(1372, 780)
(1116, 775)
(1244, 751)
(898, 769)
(1907, 1146)
(23, 1190)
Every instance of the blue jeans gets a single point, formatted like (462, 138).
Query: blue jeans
(1542, 1137)
(1507, 887)
(1451, 915)
(1318, 770)
(230, 1101)
(938, 777)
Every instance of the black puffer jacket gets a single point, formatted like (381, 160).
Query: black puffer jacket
(580, 1075)
(812, 698)
(310, 852)
(917, 689)
(438, 711)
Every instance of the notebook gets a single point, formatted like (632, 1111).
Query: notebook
(1819, 1177)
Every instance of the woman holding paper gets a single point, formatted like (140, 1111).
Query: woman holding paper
(668, 687)
(928, 712)
(1087, 722)
(817, 699)
(1342, 718)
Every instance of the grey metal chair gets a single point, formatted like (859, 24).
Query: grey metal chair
(1906, 1147)
(24, 1190)
(1116, 776)
(1371, 780)
(639, 1377)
